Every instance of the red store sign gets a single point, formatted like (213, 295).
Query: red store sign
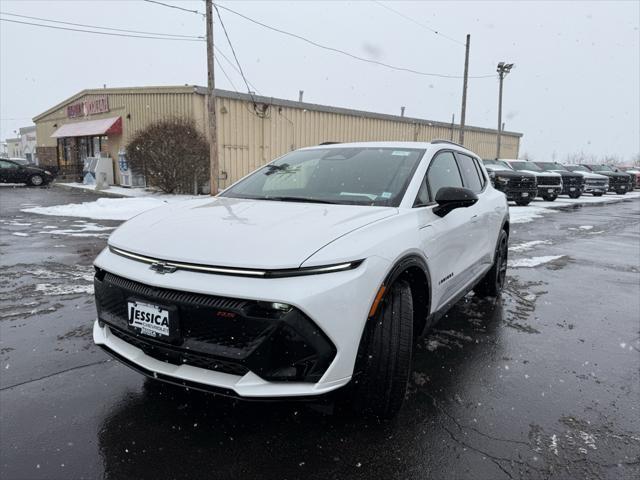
(88, 107)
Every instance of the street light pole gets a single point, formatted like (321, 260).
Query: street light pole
(211, 106)
(503, 70)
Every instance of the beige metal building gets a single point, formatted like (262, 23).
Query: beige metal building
(252, 129)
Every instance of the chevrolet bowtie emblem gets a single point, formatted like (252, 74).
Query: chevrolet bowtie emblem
(161, 267)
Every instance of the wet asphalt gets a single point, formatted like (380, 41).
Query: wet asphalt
(543, 383)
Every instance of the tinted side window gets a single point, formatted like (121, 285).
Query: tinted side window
(443, 172)
(422, 198)
(7, 165)
(483, 179)
(469, 173)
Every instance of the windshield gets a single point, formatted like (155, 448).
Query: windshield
(497, 164)
(20, 161)
(353, 176)
(578, 168)
(499, 168)
(602, 168)
(525, 166)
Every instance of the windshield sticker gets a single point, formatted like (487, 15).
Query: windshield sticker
(400, 153)
(386, 195)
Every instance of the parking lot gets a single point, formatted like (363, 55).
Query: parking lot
(543, 383)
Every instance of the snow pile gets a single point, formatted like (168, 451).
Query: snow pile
(109, 208)
(533, 261)
(526, 246)
(527, 214)
(124, 191)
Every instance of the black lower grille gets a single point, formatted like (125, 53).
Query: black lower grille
(218, 333)
(170, 354)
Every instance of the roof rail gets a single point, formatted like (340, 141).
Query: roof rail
(447, 141)
(328, 143)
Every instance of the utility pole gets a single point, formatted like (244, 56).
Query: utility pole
(464, 89)
(503, 70)
(213, 127)
(453, 126)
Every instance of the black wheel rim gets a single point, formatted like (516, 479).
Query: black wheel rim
(501, 265)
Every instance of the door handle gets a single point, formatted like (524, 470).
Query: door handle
(474, 218)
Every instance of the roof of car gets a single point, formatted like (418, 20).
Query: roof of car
(391, 144)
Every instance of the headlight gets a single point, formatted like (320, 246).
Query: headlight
(503, 180)
(47, 172)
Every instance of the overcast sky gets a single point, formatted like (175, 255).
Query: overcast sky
(575, 86)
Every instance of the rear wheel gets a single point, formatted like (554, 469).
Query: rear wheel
(384, 360)
(522, 203)
(493, 282)
(36, 180)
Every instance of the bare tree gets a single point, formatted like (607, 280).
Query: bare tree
(635, 160)
(172, 154)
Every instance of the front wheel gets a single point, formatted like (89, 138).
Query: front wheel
(493, 282)
(621, 192)
(575, 195)
(549, 198)
(384, 360)
(597, 194)
(523, 203)
(36, 180)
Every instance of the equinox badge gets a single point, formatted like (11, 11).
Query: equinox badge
(161, 267)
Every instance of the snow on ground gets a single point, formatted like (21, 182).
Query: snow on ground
(523, 247)
(110, 208)
(124, 191)
(533, 261)
(538, 208)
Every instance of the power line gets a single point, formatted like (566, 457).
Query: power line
(100, 33)
(233, 65)
(413, 20)
(176, 7)
(342, 52)
(233, 51)
(101, 28)
(225, 74)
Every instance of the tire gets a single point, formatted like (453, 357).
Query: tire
(523, 203)
(597, 194)
(549, 198)
(493, 282)
(621, 192)
(36, 180)
(384, 358)
(575, 195)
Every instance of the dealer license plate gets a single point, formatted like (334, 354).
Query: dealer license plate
(623, 187)
(572, 189)
(550, 190)
(152, 320)
(525, 194)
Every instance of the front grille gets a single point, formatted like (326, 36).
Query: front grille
(549, 181)
(170, 354)
(573, 181)
(523, 183)
(219, 333)
(596, 183)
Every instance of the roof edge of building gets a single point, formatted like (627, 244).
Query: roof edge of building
(281, 102)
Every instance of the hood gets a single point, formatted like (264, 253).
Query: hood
(564, 174)
(511, 173)
(593, 176)
(241, 233)
(613, 174)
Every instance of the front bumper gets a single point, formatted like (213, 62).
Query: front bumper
(337, 303)
(595, 188)
(549, 190)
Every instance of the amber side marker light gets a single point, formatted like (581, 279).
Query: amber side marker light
(376, 301)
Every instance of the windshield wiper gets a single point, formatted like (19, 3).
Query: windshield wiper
(297, 199)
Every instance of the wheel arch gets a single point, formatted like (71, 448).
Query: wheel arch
(414, 270)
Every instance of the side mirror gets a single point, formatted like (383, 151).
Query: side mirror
(450, 198)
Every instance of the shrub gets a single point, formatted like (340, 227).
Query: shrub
(173, 155)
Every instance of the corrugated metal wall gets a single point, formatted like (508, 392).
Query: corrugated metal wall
(247, 138)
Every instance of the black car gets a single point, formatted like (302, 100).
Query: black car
(520, 187)
(14, 172)
(619, 183)
(572, 183)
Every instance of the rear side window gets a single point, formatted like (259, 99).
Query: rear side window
(469, 173)
(443, 172)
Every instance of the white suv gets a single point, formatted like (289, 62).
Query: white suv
(311, 276)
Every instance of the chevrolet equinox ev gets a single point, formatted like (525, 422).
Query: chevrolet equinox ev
(310, 278)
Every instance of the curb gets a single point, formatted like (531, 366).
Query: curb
(83, 190)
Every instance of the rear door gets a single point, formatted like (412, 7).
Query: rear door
(9, 172)
(446, 241)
